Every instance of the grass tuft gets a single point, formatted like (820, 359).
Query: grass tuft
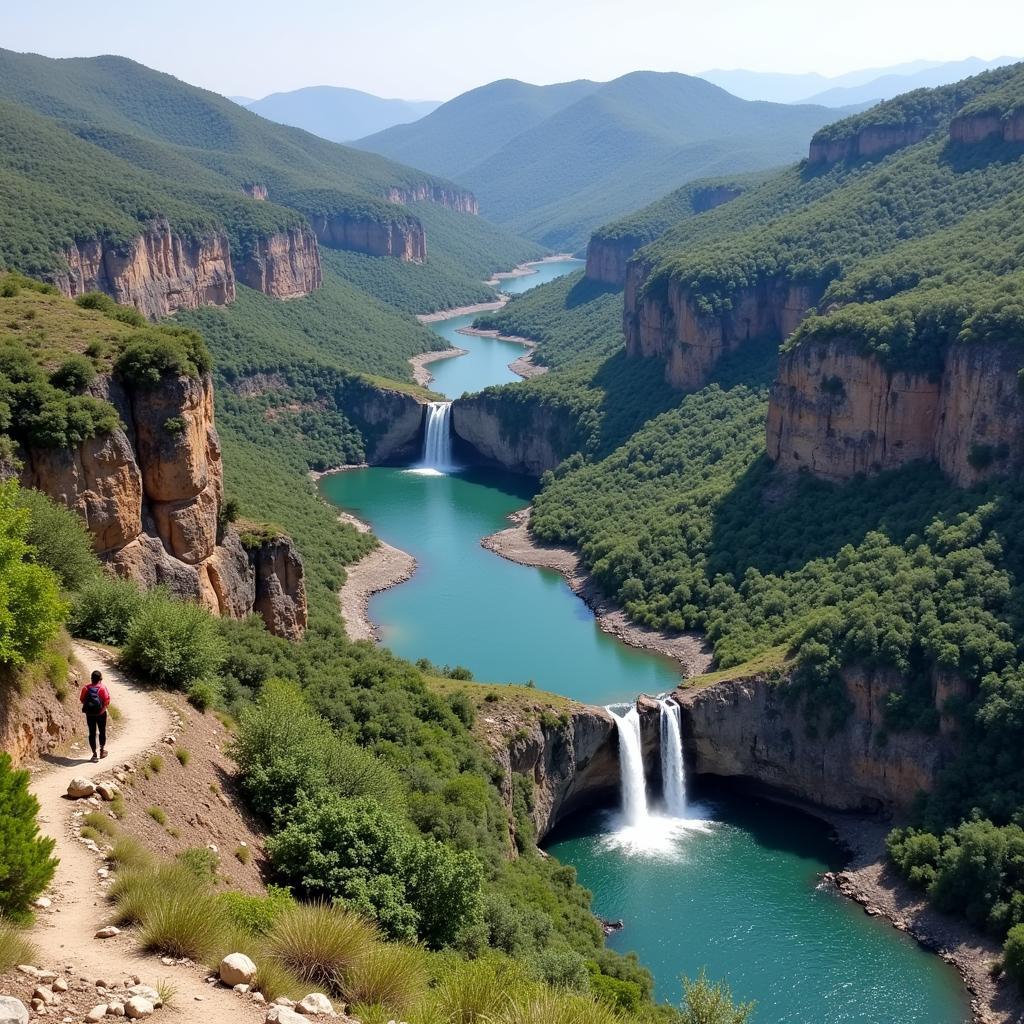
(157, 814)
(183, 924)
(155, 763)
(243, 854)
(392, 976)
(101, 823)
(183, 755)
(127, 852)
(15, 948)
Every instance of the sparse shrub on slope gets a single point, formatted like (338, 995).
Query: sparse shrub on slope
(26, 864)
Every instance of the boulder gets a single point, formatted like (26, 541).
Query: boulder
(138, 1008)
(115, 1010)
(280, 1015)
(237, 969)
(12, 1011)
(78, 788)
(107, 790)
(97, 1013)
(147, 992)
(108, 932)
(316, 1004)
(45, 994)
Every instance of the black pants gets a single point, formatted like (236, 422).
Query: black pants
(97, 722)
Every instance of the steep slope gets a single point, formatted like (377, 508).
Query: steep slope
(469, 128)
(339, 114)
(619, 145)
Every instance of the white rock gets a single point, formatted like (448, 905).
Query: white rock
(77, 788)
(115, 1010)
(170, 739)
(32, 972)
(45, 994)
(46, 976)
(240, 989)
(97, 1013)
(12, 1011)
(109, 932)
(147, 992)
(316, 1004)
(259, 998)
(237, 969)
(212, 847)
(283, 1015)
(60, 985)
(107, 790)
(43, 903)
(138, 1008)
(284, 1001)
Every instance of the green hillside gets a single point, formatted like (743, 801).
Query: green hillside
(469, 128)
(689, 526)
(618, 146)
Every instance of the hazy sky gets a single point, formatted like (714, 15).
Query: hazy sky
(434, 49)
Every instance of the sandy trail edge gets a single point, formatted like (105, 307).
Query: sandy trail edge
(64, 933)
(689, 650)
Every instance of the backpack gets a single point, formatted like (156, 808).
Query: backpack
(93, 703)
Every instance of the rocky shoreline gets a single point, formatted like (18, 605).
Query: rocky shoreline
(524, 366)
(689, 650)
(448, 314)
(419, 364)
(870, 880)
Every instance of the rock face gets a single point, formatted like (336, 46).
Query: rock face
(524, 439)
(572, 760)
(607, 257)
(391, 422)
(870, 140)
(402, 239)
(280, 587)
(670, 328)
(838, 412)
(452, 198)
(286, 265)
(746, 728)
(158, 272)
(971, 129)
(151, 495)
(34, 723)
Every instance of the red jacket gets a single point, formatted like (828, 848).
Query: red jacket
(104, 695)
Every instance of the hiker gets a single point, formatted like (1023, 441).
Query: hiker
(95, 698)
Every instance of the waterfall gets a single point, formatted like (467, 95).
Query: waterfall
(631, 768)
(673, 768)
(437, 439)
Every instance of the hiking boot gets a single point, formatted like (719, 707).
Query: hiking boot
(103, 753)
(94, 758)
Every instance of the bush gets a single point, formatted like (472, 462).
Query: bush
(561, 968)
(183, 755)
(200, 862)
(59, 539)
(15, 948)
(320, 944)
(391, 976)
(204, 694)
(256, 914)
(75, 374)
(137, 889)
(157, 814)
(1013, 953)
(104, 610)
(31, 609)
(128, 852)
(704, 1003)
(26, 864)
(151, 355)
(182, 924)
(173, 643)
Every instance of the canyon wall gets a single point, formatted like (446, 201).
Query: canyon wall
(453, 198)
(404, 240)
(837, 412)
(868, 141)
(151, 496)
(750, 728)
(971, 129)
(527, 438)
(284, 265)
(669, 327)
(390, 421)
(158, 273)
(34, 723)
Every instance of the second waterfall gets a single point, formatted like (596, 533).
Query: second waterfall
(437, 439)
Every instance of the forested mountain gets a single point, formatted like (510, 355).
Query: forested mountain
(339, 114)
(555, 175)
(889, 267)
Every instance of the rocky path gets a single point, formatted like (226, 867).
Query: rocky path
(65, 930)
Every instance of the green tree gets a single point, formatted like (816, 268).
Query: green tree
(707, 1003)
(26, 864)
(1013, 953)
(60, 540)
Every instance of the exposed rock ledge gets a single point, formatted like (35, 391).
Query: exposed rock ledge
(517, 545)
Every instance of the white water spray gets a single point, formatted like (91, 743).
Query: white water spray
(673, 768)
(631, 769)
(437, 440)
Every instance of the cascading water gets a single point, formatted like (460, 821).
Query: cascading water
(631, 768)
(437, 439)
(673, 768)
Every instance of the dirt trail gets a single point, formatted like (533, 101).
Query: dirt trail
(64, 933)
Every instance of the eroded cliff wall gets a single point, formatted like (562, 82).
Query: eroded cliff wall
(452, 198)
(402, 239)
(837, 411)
(285, 265)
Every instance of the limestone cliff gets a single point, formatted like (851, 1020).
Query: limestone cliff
(284, 265)
(527, 438)
(35, 723)
(457, 199)
(869, 140)
(158, 272)
(973, 128)
(151, 494)
(836, 412)
(749, 728)
(403, 239)
(390, 421)
(668, 325)
(280, 586)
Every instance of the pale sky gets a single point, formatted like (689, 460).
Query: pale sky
(435, 49)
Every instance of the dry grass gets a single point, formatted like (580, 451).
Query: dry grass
(15, 948)
(129, 853)
(183, 924)
(389, 975)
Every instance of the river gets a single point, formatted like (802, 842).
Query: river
(734, 889)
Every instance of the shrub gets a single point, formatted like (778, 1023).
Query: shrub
(256, 914)
(75, 374)
(157, 814)
(136, 890)
(704, 1003)
(183, 755)
(200, 862)
(101, 823)
(31, 609)
(243, 854)
(392, 976)
(173, 643)
(156, 763)
(59, 539)
(26, 861)
(1013, 953)
(15, 948)
(320, 944)
(477, 991)
(128, 852)
(203, 694)
(182, 924)
(561, 968)
(104, 609)
(153, 354)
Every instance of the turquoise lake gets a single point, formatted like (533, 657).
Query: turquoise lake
(734, 889)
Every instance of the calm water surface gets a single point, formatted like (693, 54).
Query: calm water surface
(736, 889)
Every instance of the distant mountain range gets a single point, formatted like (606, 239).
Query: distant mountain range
(864, 86)
(337, 114)
(554, 162)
